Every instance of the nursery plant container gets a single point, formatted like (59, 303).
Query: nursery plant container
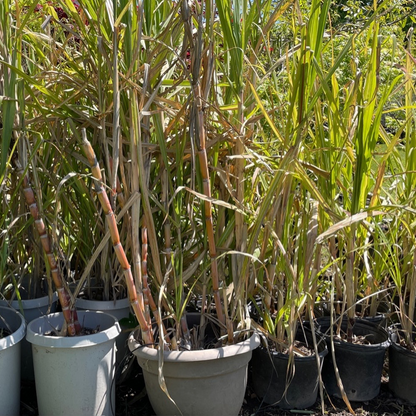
(360, 366)
(402, 368)
(202, 382)
(381, 317)
(10, 360)
(74, 375)
(120, 309)
(31, 308)
(323, 311)
(269, 370)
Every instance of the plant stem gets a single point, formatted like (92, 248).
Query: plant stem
(70, 314)
(115, 238)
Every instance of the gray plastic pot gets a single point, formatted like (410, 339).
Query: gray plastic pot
(32, 309)
(203, 382)
(402, 368)
(360, 366)
(120, 309)
(270, 369)
(74, 375)
(10, 361)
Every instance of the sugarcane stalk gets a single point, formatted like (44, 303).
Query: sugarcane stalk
(146, 289)
(119, 191)
(166, 225)
(209, 224)
(115, 238)
(69, 313)
(350, 284)
(135, 211)
(200, 135)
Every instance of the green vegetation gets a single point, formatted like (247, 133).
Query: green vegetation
(266, 150)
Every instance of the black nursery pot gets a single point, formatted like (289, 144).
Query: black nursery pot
(402, 368)
(381, 317)
(360, 366)
(322, 312)
(269, 370)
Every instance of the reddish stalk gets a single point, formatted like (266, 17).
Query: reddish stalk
(115, 238)
(199, 132)
(70, 314)
(209, 223)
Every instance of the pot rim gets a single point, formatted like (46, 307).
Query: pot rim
(104, 305)
(36, 337)
(18, 334)
(33, 303)
(321, 345)
(393, 330)
(195, 355)
(373, 327)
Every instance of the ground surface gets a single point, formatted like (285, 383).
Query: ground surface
(131, 400)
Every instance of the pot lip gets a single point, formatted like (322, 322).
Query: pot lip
(321, 342)
(398, 327)
(373, 327)
(18, 334)
(283, 356)
(104, 305)
(197, 355)
(365, 347)
(402, 350)
(393, 329)
(35, 337)
(30, 303)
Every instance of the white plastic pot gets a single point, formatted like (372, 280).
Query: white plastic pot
(119, 308)
(10, 361)
(75, 375)
(32, 309)
(203, 382)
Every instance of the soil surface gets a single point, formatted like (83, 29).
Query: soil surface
(84, 331)
(4, 333)
(357, 339)
(301, 349)
(132, 400)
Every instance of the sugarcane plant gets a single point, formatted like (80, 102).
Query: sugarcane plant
(399, 239)
(73, 326)
(21, 255)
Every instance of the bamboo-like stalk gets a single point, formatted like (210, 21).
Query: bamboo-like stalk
(166, 225)
(146, 289)
(350, 282)
(135, 212)
(203, 163)
(200, 136)
(70, 314)
(116, 111)
(115, 238)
